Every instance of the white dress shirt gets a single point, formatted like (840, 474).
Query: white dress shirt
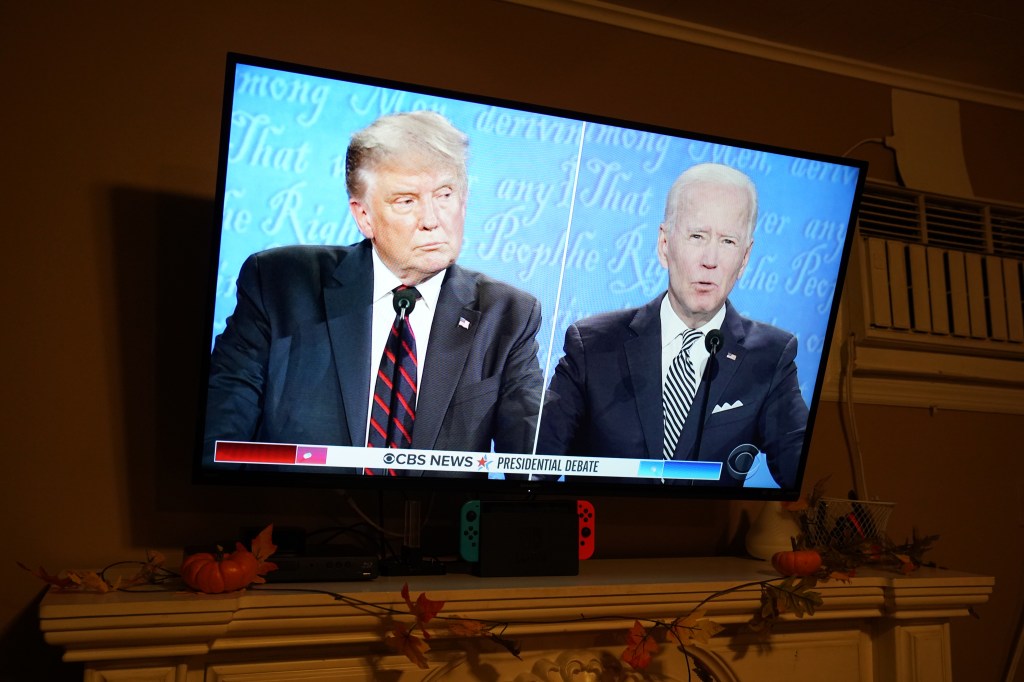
(672, 330)
(420, 319)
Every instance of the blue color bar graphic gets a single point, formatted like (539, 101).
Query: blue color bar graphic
(680, 470)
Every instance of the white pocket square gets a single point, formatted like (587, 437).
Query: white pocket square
(727, 406)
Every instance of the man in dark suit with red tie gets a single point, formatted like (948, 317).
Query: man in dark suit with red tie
(630, 382)
(300, 360)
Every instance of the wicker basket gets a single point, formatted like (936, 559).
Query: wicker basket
(835, 522)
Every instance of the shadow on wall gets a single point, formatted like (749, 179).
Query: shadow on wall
(161, 248)
(27, 657)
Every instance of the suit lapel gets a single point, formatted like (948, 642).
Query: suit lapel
(723, 370)
(349, 307)
(729, 359)
(643, 355)
(450, 343)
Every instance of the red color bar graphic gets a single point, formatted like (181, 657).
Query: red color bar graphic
(261, 453)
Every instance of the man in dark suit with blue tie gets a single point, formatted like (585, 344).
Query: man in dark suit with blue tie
(629, 384)
(300, 358)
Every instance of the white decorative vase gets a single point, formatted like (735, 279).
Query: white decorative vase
(772, 531)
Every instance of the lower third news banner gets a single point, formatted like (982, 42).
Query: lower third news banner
(490, 463)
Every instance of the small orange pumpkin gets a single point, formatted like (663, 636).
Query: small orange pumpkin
(216, 573)
(799, 562)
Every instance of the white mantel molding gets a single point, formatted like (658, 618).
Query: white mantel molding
(880, 626)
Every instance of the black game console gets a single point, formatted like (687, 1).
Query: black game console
(526, 538)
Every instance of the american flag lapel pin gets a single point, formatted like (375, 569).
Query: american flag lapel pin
(464, 323)
(730, 356)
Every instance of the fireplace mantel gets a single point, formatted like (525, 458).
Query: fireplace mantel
(879, 626)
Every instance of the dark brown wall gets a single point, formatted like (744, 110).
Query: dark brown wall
(110, 121)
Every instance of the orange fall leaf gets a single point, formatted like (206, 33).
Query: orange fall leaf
(55, 580)
(467, 628)
(90, 581)
(639, 647)
(262, 548)
(412, 647)
(694, 628)
(424, 609)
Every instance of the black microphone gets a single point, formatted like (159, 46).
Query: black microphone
(404, 301)
(713, 342)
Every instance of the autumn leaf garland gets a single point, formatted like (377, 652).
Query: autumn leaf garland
(779, 596)
(152, 570)
(402, 638)
(148, 572)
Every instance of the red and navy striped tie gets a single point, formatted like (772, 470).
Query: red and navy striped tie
(393, 413)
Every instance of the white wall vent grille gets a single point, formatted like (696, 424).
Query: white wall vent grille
(940, 270)
(935, 303)
(932, 220)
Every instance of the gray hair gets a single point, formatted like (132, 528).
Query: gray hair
(416, 133)
(718, 174)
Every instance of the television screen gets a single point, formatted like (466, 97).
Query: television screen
(418, 287)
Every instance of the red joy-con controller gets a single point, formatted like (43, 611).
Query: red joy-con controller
(585, 510)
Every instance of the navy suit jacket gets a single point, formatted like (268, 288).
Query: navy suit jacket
(605, 397)
(293, 364)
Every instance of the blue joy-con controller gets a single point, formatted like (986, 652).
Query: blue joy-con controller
(469, 537)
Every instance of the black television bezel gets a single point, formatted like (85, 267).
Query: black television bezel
(478, 487)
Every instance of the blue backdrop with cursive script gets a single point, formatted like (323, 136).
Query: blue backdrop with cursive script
(566, 209)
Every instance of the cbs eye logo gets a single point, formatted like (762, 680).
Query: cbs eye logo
(405, 458)
(742, 462)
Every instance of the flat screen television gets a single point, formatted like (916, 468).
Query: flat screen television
(547, 377)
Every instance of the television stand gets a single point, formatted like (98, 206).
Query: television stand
(411, 561)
